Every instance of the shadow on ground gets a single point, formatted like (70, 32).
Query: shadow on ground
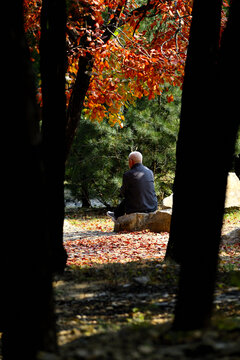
(125, 311)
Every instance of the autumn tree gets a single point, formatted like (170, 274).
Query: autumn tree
(209, 111)
(112, 60)
(120, 54)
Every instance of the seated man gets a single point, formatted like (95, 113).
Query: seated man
(137, 189)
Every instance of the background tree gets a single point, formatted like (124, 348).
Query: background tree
(99, 154)
(154, 126)
(210, 113)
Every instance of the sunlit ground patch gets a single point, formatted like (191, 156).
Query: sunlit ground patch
(110, 247)
(121, 247)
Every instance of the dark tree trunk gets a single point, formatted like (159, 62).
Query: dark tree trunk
(195, 234)
(237, 165)
(204, 150)
(85, 196)
(230, 76)
(75, 106)
(53, 66)
(195, 146)
(26, 312)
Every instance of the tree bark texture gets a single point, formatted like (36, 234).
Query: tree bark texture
(26, 312)
(53, 67)
(204, 152)
(79, 92)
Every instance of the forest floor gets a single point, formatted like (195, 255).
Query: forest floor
(116, 298)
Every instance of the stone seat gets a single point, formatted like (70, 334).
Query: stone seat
(157, 221)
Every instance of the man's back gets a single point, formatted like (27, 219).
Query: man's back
(138, 189)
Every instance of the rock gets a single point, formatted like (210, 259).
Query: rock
(232, 237)
(142, 280)
(167, 202)
(131, 222)
(146, 350)
(232, 191)
(42, 355)
(158, 221)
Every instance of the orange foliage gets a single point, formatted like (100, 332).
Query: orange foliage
(129, 65)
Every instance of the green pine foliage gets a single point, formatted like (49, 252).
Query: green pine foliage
(99, 155)
(154, 125)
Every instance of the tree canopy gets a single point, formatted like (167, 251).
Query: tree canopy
(137, 59)
(117, 51)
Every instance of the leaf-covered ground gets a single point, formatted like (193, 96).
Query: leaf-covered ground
(116, 298)
(92, 241)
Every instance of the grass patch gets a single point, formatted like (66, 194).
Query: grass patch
(232, 216)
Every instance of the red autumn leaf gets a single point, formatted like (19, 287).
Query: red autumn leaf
(170, 98)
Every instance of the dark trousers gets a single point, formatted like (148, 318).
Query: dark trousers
(120, 209)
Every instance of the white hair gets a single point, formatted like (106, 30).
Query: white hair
(136, 156)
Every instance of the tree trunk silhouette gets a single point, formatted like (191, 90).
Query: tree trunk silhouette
(79, 91)
(85, 196)
(26, 311)
(204, 154)
(237, 165)
(53, 66)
